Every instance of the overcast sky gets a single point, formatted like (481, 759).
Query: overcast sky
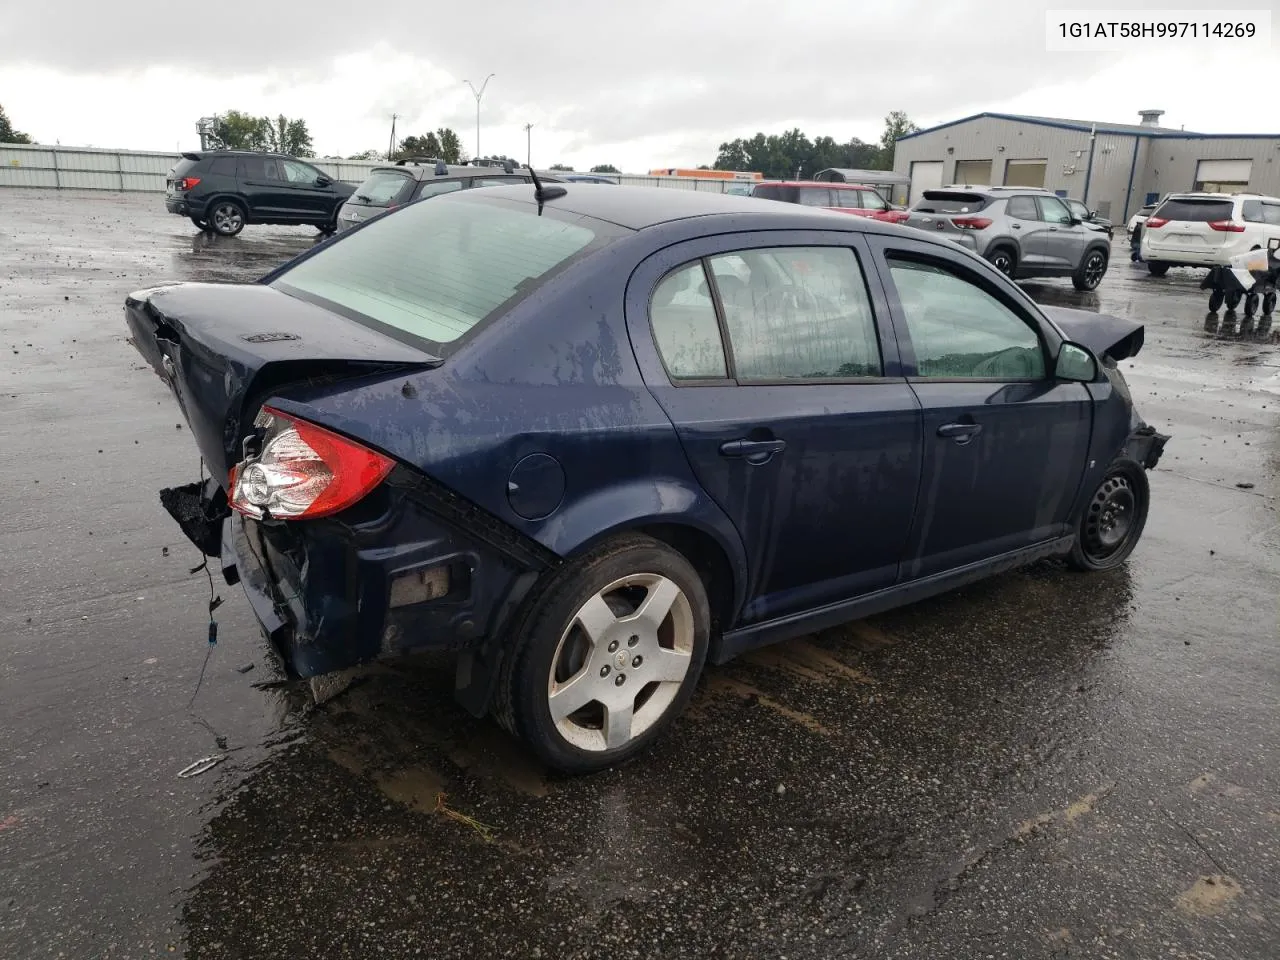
(642, 84)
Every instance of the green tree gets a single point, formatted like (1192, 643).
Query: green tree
(236, 130)
(7, 133)
(367, 155)
(561, 166)
(605, 168)
(426, 145)
(288, 136)
(450, 146)
(896, 126)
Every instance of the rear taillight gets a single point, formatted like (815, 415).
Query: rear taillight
(1155, 223)
(1226, 226)
(971, 223)
(189, 183)
(304, 471)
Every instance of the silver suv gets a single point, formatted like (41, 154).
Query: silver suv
(1023, 232)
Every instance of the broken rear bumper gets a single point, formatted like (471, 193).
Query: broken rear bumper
(391, 576)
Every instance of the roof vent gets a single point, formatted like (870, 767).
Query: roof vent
(1151, 118)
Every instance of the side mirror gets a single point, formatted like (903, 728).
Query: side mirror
(1076, 364)
(323, 181)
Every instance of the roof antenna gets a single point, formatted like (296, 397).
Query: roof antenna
(541, 193)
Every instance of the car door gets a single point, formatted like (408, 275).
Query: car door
(1029, 230)
(769, 353)
(309, 192)
(264, 189)
(1065, 240)
(1005, 441)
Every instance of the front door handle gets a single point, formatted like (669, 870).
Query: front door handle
(755, 451)
(960, 432)
(1016, 226)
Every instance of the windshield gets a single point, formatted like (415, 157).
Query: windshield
(383, 188)
(947, 201)
(1195, 210)
(434, 270)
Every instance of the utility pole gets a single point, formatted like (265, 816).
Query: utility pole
(528, 127)
(391, 149)
(478, 94)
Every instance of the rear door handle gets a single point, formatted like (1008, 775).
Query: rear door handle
(755, 451)
(1016, 226)
(960, 432)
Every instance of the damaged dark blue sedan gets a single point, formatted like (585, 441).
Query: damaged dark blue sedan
(591, 439)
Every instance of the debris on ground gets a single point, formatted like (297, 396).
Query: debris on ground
(483, 829)
(203, 765)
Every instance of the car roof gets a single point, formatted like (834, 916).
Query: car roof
(427, 171)
(638, 208)
(824, 184)
(204, 154)
(994, 191)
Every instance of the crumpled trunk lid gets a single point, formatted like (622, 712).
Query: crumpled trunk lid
(220, 347)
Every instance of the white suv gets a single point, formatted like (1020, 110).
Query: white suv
(1207, 229)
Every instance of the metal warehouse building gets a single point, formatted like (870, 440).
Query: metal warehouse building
(1113, 167)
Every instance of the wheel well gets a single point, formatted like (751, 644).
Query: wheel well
(708, 558)
(1007, 245)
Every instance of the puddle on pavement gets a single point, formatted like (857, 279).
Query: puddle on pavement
(1210, 896)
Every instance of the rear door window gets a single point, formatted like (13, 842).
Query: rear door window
(436, 270)
(1023, 208)
(1194, 210)
(815, 197)
(800, 313)
(433, 188)
(252, 168)
(1271, 214)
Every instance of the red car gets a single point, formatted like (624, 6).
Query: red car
(863, 201)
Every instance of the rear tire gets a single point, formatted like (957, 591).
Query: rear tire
(1112, 521)
(227, 217)
(201, 224)
(1091, 270)
(1157, 269)
(1004, 260)
(589, 680)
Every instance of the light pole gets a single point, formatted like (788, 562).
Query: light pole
(528, 133)
(478, 94)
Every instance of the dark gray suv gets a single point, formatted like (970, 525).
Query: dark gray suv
(1024, 233)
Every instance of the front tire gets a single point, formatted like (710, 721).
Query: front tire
(1091, 271)
(1113, 520)
(606, 655)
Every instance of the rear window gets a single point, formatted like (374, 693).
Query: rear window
(383, 187)
(182, 168)
(950, 201)
(770, 191)
(1194, 210)
(436, 270)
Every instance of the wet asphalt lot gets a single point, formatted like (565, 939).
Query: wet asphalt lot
(1042, 765)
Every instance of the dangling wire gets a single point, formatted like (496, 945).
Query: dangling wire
(214, 602)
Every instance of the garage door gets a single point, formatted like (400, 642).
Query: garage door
(976, 173)
(1223, 176)
(1024, 173)
(925, 175)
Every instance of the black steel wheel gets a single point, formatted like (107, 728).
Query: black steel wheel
(1091, 271)
(1112, 521)
(1215, 300)
(1004, 260)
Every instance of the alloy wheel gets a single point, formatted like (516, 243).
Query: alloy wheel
(227, 218)
(1094, 268)
(621, 662)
